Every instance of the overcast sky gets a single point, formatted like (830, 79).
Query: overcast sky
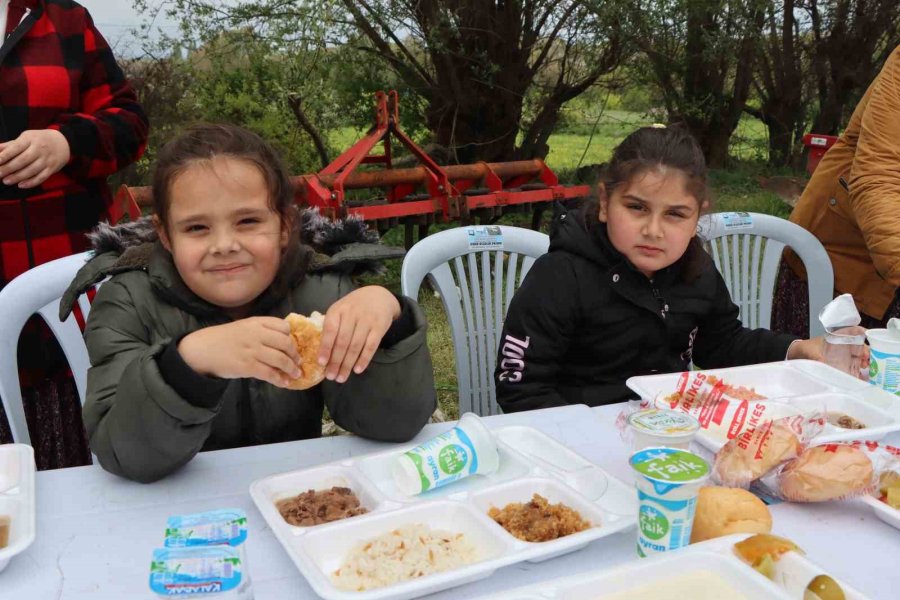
(115, 18)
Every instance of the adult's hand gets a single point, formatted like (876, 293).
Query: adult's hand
(31, 158)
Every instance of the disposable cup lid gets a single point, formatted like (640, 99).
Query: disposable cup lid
(670, 465)
(663, 422)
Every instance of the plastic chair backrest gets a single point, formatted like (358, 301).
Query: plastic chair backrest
(476, 270)
(747, 247)
(39, 291)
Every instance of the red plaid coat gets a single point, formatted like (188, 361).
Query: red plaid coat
(57, 72)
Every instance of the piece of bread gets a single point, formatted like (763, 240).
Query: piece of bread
(827, 472)
(307, 334)
(750, 456)
(723, 511)
(4, 531)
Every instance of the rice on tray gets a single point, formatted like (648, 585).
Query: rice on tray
(405, 553)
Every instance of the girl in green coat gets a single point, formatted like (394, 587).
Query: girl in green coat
(188, 344)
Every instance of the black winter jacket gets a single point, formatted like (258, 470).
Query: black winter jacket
(585, 320)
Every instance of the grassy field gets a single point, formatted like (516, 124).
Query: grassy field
(733, 188)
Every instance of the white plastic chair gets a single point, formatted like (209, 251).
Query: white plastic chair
(39, 291)
(747, 247)
(476, 270)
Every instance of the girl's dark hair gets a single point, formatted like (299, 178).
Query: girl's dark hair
(206, 141)
(651, 148)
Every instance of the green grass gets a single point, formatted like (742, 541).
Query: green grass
(734, 188)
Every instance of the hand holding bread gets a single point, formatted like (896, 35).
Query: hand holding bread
(354, 326)
(257, 347)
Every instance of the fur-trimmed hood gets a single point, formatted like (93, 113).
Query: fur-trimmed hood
(346, 245)
(324, 235)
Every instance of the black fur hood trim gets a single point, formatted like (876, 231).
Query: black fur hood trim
(324, 235)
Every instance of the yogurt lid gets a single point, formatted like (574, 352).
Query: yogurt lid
(669, 465)
(211, 528)
(199, 570)
(662, 422)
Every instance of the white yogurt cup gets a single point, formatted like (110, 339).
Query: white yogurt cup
(467, 449)
(660, 427)
(884, 363)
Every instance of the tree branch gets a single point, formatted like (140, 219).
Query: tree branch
(307, 126)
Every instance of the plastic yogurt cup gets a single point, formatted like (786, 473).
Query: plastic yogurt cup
(216, 527)
(467, 449)
(884, 363)
(668, 481)
(204, 557)
(661, 427)
(213, 572)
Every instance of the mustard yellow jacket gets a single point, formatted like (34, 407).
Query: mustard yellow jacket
(852, 202)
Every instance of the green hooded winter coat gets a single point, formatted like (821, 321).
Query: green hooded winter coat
(144, 426)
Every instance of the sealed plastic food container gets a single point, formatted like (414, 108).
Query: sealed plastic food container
(668, 481)
(467, 449)
(204, 557)
(209, 572)
(212, 528)
(660, 427)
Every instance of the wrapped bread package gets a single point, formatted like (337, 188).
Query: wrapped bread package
(758, 450)
(832, 472)
(723, 410)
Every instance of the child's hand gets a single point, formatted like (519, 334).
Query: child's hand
(354, 326)
(813, 349)
(258, 347)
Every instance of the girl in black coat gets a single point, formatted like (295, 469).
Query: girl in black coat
(626, 289)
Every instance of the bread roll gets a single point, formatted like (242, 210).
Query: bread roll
(4, 531)
(827, 472)
(307, 334)
(751, 455)
(723, 511)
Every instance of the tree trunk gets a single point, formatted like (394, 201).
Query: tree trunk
(780, 142)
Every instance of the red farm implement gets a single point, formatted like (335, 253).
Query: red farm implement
(417, 196)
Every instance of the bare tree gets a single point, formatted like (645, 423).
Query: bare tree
(782, 81)
(493, 73)
(701, 56)
(852, 39)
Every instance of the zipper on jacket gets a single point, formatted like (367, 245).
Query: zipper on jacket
(663, 307)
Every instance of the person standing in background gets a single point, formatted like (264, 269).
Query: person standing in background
(68, 119)
(852, 205)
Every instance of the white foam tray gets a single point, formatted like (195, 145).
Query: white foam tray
(792, 573)
(17, 502)
(796, 379)
(530, 461)
(883, 510)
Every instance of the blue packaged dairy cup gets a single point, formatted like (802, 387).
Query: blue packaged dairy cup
(211, 528)
(668, 481)
(467, 449)
(194, 539)
(209, 572)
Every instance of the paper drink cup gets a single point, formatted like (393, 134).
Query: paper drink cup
(668, 481)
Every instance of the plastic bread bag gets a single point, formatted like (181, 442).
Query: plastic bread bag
(832, 472)
(724, 410)
(760, 448)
